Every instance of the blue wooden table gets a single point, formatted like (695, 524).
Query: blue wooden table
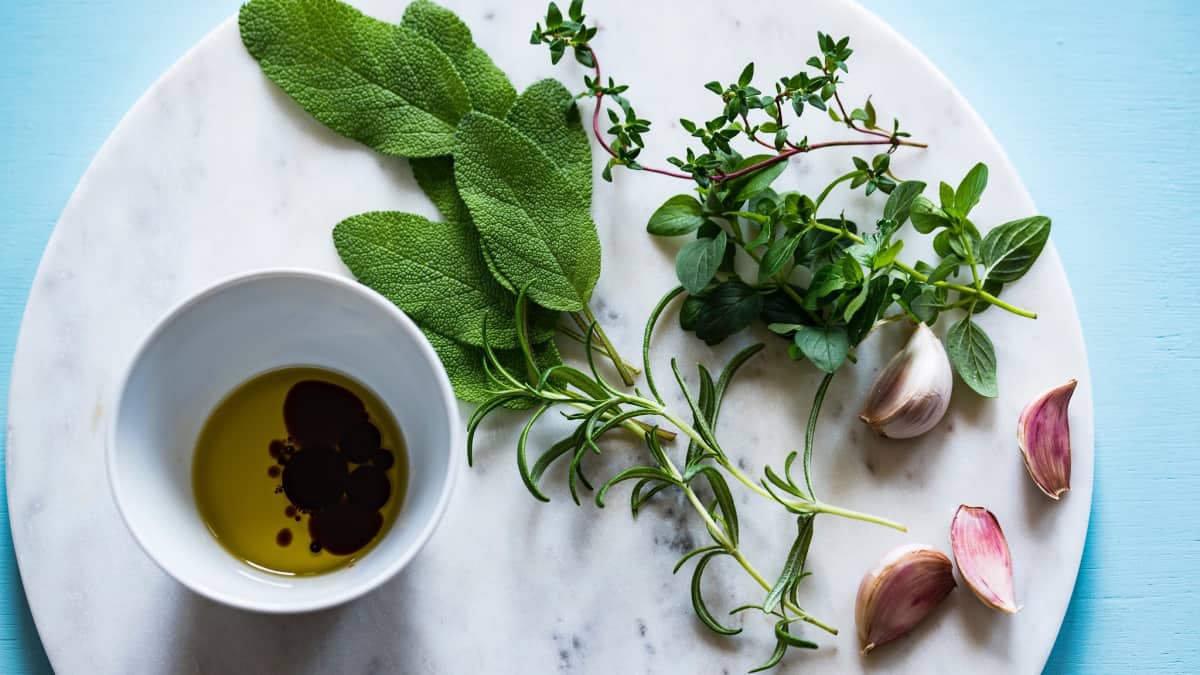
(1098, 104)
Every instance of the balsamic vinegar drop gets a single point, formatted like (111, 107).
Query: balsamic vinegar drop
(299, 471)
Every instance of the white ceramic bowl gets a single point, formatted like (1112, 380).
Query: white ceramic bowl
(218, 339)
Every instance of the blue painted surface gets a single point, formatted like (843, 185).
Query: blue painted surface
(1098, 104)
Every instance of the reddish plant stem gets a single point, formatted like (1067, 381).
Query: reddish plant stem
(792, 150)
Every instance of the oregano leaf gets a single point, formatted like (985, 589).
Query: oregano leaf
(973, 356)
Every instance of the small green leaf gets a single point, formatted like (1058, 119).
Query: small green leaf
(752, 184)
(729, 308)
(778, 255)
(971, 189)
(698, 261)
(678, 215)
(973, 356)
(1009, 250)
(702, 612)
(900, 201)
(747, 75)
(946, 194)
(926, 216)
(825, 346)
(794, 565)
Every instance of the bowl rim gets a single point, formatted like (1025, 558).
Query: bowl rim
(352, 590)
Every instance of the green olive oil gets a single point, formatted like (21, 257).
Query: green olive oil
(299, 471)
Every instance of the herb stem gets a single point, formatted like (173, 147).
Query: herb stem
(829, 188)
(582, 339)
(623, 369)
(723, 539)
(978, 293)
(793, 149)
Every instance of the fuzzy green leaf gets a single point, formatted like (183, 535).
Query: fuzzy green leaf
(377, 83)
(546, 112)
(435, 175)
(487, 86)
(536, 227)
(464, 365)
(435, 273)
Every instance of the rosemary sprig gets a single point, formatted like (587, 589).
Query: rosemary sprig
(597, 408)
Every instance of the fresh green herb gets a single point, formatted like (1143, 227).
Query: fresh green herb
(539, 233)
(855, 279)
(383, 85)
(597, 408)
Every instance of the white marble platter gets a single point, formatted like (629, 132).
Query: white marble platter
(215, 172)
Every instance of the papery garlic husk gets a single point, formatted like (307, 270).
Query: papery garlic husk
(902, 588)
(912, 391)
(981, 553)
(1044, 435)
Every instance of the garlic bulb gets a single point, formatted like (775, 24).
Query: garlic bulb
(902, 588)
(981, 552)
(913, 390)
(1044, 435)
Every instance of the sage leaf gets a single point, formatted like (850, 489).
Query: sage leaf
(487, 86)
(464, 366)
(535, 226)
(698, 260)
(825, 346)
(974, 359)
(435, 273)
(435, 175)
(382, 85)
(1009, 250)
(679, 215)
(546, 112)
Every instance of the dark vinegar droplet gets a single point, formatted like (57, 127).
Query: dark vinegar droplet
(273, 471)
(314, 478)
(276, 449)
(368, 487)
(359, 442)
(314, 547)
(318, 413)
(345, 527)
(284, 537)
(290, 511)
(383, 460)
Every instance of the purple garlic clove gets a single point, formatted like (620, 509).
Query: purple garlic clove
(1044, 435)
(981, 552)
(912, 392)
(902, 588)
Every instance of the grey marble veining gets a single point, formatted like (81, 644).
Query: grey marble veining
(215, 172)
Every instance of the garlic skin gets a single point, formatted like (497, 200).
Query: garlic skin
(912, 392)
(903, 587)
(981, 553)
(1044, 436)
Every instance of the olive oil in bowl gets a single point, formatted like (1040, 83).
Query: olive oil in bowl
(299, 471)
